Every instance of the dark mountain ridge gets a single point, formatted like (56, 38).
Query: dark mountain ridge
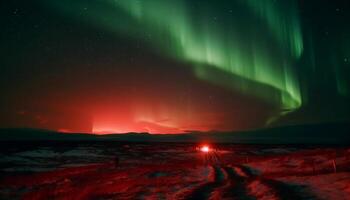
(332, 133)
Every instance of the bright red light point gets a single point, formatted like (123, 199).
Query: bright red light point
(205, 149)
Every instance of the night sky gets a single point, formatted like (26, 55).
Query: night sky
(173, 66)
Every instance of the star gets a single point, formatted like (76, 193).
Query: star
(15, 12)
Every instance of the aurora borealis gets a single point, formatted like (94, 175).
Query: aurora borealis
(236, 46)
(166, 66)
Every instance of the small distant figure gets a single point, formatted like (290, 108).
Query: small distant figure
(116, 161)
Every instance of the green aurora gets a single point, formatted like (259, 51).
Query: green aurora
(256, 43)
(253, 47)
(173, 66)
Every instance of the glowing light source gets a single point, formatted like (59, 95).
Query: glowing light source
(205, 149)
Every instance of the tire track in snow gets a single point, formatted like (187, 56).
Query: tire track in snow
(232, 182)
(229, 183)
(247, 171)
(287, 191)
(204, 191)
(278, 189)
(237, 185)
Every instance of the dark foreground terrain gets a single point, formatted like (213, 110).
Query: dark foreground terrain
(116, 170)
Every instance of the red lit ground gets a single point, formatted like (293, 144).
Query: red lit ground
(174, 171)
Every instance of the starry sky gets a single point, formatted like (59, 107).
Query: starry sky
(173, 66)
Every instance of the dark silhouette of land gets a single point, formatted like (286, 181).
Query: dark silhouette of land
(332, 133)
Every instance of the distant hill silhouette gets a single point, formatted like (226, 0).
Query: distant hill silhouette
(334, 133)
(40, 134)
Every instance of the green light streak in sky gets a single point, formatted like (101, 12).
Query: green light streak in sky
(254, 43)
(283, 21)
(341, 63)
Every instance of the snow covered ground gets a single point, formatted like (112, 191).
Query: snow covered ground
(173, 171)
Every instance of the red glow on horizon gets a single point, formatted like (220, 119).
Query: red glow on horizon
(142, 120)
(134, 128)
(65, 130)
